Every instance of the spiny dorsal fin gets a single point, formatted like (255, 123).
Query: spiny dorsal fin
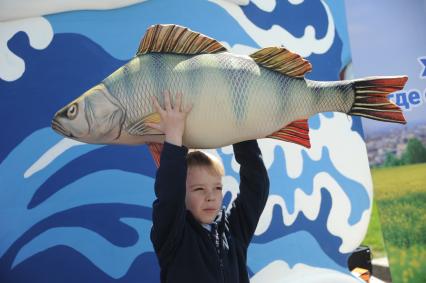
(281, 60)
(177, 39)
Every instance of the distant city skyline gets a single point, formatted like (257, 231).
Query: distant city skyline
(387, 38)
(394, 142)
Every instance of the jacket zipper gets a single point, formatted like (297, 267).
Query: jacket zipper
(219, 256)
(218, 253)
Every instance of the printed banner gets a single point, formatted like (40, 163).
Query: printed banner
(73, 212)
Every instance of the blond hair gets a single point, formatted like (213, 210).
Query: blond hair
(206, 160)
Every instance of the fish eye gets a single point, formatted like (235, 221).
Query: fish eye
(72, 111)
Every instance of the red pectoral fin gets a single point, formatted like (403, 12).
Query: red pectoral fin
(156, 149)
(295, 132)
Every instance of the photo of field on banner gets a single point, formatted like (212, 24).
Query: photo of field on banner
(396, 153)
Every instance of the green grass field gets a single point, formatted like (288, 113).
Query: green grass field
(400, 195)
(374, 237)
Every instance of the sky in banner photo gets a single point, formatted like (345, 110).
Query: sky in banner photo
(388, 38)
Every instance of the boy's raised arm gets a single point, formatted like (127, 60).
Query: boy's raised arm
(168, 216)
(254, 190)
(169, 208)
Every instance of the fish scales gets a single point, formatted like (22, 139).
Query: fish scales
(335, 96)
(224, 89)
(234, 97)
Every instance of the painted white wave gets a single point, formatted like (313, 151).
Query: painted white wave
(240, 2)
(239, 48)
(40, 35)
(279, 271)
(269, 5)
(265, 5)
(20, 15)
(294, 161)
(230, 184)
(337, 136)
(18, 9)
(277, 36)
(309, 205)
(50, 155)
(347, 150)
(296, 2)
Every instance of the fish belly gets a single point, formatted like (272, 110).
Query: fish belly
(233, 98)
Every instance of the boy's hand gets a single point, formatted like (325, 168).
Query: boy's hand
(173, 118)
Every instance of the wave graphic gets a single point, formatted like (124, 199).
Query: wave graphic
(109, 208)
(54, 76)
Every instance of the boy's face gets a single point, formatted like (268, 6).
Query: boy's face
(203, 194)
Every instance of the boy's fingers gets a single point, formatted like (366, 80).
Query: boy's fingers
(154, 126)
(178, 101)
(188, 108)
(167, 104)
(157, 105)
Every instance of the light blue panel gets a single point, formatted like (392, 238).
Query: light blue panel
(120, 31)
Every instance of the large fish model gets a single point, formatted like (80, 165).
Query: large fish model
(234, 97)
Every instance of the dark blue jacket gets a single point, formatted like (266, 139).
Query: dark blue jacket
(186, 251)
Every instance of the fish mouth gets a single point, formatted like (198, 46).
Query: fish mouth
(57, 127)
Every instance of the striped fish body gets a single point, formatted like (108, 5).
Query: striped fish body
(233, 98)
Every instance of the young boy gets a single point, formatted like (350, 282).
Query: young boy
(194, 239)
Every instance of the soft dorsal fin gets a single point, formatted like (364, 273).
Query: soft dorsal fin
(281, 60)
(296, 132)
(177, 39)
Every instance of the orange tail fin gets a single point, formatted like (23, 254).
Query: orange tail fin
(371, 98)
